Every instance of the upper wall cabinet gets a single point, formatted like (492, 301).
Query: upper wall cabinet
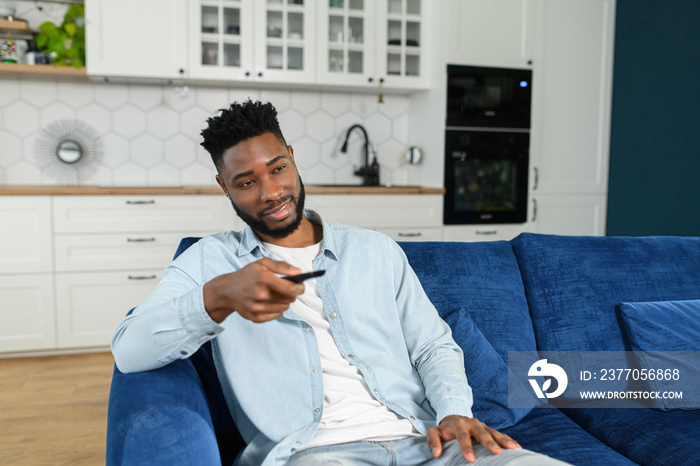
(243, 40)
(133, 38)
(491, 32)
(374, 43)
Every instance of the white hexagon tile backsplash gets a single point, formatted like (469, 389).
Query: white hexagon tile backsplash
(149, 135)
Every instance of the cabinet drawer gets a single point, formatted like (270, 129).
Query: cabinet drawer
(413, 234)
(115, 252)
(482, 232)
(112, 214)
(380, 211)
(90, 305)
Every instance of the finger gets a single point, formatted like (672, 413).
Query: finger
(484, 436)
(465, 444)
(284, 288)
(434, 442)
(502, 439)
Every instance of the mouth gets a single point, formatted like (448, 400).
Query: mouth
(279, 212)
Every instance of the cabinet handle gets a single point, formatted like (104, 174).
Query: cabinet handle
(536, 182)
(534, 210)
(141, 202)
(140, 240)
(488, 232)
(410, 235)
(142, 277)
(370, 80)
(247, 73)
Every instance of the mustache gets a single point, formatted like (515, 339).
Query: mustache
(275, 205)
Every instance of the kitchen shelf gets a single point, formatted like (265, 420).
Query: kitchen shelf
(19, 70)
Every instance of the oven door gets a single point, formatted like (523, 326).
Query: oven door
(486, 177)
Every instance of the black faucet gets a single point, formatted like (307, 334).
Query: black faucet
(369, 173)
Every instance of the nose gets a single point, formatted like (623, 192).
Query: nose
(270, 190)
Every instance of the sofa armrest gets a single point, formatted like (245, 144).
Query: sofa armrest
(160, 417)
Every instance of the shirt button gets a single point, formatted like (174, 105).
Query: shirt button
(211, 334)
(333, 315)
(376, 392)
(298, 443)
(317, 410)
(183, 352)
(413, 418)
(314, 370)
(351, 356)
(306, 326)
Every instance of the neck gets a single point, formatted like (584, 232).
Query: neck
(307, 234)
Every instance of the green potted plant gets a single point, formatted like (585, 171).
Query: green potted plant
(65, 44)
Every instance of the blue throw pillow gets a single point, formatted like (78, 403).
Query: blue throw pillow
(487, 373)
(666, 335)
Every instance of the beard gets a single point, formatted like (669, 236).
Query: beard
(259, 226)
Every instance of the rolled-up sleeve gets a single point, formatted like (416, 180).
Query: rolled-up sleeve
(170, 324)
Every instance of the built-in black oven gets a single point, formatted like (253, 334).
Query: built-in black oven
(486, 177)
(488, 97)
(487, 145)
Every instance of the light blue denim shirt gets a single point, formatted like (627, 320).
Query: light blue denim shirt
(381, 319)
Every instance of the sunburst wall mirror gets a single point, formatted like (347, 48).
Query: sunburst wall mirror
(68, 150)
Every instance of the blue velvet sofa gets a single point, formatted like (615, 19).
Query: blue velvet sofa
(534, 293)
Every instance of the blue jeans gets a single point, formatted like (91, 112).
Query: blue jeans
(412, 451)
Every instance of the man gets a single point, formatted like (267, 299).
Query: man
(354, 366)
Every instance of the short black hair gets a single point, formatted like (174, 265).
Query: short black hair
(237, 123)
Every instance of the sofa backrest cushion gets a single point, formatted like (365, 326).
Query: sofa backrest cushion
(483, 279)
(573, 283)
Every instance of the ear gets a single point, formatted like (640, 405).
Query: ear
(222, 184)
(291, 151)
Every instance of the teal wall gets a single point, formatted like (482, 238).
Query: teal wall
(655, 134)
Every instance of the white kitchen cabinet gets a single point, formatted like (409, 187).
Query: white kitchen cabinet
(243, 40)
(571, 214)
(25, 229)
(26, 283)
(496, 33)
(135, 38)
(111, 250)
(27, 313)
(90, 305)
(570, 138)
(383, 44)
(572, 89)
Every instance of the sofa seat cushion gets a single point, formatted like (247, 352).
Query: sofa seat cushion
(482, 278)
(646, 436)
(574, 283)
(550, 432)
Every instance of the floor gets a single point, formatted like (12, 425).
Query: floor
(53, 410)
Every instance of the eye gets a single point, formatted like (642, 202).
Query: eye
(245, 184)
(280, 168)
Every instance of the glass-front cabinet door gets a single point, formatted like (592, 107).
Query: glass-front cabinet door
(221, 39)
(261, 40)
(347, 42)
(373, 43)
(284, 41)
(404, 61)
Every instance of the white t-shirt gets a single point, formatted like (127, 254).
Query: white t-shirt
(350, 412)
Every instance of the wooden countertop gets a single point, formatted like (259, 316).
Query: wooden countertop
(133, 191)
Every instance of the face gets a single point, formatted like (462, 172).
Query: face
(261, 179)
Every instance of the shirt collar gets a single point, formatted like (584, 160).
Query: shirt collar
(250, 240)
